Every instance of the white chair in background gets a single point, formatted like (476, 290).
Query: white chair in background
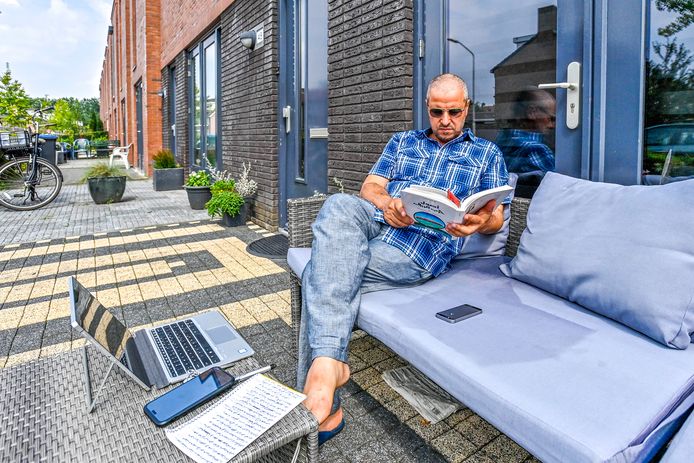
(122, 153)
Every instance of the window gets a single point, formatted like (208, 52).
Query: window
(205, 143)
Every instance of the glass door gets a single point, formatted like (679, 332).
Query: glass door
(505, 52)
(138, 115)
(668, 151)
(303, 100)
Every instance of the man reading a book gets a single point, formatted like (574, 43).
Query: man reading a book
(368, 243)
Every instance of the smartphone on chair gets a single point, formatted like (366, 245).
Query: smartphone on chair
(458, 313)
(188, 395)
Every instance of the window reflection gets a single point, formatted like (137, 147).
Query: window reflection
(211, 104)
(503, 53)
(669, 117)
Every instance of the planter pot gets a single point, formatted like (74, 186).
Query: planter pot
(106, 190)
(198, 196)
(237, 220)
(168, 179)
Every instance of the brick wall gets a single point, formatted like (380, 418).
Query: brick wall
(370, 82)
(183, 22)
(249, 92)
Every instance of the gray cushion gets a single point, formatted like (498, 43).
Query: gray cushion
(566, 384)
(479, 245)
(625, 252)
(297, 258)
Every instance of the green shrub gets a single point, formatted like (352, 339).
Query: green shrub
(228, 202)
(223, 185)
(164, 159)
(199, 178)
(102, 169)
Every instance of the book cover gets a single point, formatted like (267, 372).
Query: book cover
(434, 208)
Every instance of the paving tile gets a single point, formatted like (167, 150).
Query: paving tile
(504, 450)
(477, 430)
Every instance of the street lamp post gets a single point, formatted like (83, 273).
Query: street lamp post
(474, 126)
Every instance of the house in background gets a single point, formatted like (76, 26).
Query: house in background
(315, 89)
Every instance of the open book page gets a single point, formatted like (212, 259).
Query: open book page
(230, 425)
(431, 207)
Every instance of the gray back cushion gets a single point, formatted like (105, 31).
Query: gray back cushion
(626, 252)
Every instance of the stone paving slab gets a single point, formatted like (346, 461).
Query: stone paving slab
(73, 213)
(150, 267)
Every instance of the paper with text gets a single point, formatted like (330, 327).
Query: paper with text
(223, 430)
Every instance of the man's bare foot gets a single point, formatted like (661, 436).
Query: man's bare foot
(323, 378)
(332, 421)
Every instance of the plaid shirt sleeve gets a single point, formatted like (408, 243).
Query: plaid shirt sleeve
(496, 174)
(385, 166)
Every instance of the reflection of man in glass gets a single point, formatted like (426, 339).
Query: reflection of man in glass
(524, 144)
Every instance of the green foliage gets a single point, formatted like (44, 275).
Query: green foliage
(199, 178)
(102, 169)
(223, 185)
(685, 15)
(14, 102)
(224, 201)
(164, 159)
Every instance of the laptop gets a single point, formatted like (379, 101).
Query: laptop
(161, 355)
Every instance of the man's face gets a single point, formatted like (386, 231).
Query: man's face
(446, 126)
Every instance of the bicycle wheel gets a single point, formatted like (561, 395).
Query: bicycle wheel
(17, 192)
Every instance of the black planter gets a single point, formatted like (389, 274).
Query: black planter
(106, 190)
(238, 219)
(198, 196)
(168, 179)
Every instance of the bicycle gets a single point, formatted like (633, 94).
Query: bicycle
(31, 182)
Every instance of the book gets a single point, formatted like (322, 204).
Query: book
(219, 433)
(434, 208)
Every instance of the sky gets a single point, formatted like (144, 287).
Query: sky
(55, 47)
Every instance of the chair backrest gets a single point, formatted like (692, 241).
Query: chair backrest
(122, 150)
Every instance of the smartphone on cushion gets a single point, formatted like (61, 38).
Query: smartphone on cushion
(458, 313)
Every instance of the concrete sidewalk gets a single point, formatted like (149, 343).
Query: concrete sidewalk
(152, 259)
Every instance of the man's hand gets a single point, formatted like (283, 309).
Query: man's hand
(394, 213)
(486, 220)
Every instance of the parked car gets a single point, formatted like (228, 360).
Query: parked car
(660, 140)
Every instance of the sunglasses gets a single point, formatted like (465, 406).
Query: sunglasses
(437, 112)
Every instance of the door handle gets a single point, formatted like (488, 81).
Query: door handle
(287, 115)
(573, 93)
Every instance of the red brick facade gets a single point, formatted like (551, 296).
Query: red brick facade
(132, 56)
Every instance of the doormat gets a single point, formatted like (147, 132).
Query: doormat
(270, 247)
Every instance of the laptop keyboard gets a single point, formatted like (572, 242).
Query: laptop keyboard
(183, 347)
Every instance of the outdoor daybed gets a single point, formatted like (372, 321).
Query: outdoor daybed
(610, 379)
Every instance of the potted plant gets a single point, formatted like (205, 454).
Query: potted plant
(106, 183)
(168, 175)
(245, 186)
(227, 203)
(198, 189)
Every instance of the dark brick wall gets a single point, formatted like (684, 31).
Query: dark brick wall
(249, 90)
(181, 148)
(370, 82)
(182, 90)
(165, 123)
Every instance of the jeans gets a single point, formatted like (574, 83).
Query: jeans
(348, 258)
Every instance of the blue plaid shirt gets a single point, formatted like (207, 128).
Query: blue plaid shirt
(525, 151)
(465, 165)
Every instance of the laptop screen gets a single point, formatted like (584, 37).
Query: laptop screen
(97, 321)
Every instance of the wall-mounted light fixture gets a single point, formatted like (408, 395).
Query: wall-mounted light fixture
(248, 39)
(254, 38)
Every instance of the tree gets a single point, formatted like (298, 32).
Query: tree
(684, 10)
(14, 102)
(671, 75)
